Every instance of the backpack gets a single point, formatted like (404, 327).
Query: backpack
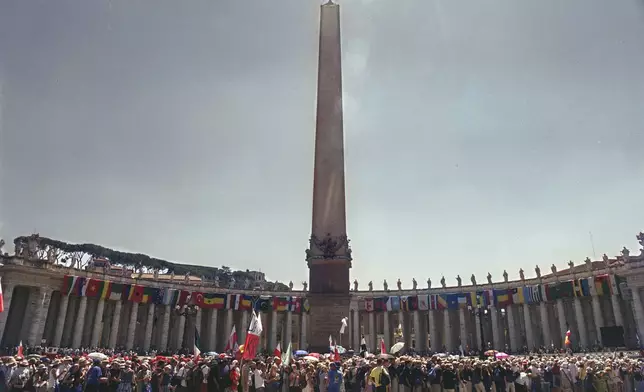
(226, 382)
(385, 380)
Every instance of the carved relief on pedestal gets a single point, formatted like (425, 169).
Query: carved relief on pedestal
(329, 247)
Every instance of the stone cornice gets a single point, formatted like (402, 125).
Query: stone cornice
(19, 267)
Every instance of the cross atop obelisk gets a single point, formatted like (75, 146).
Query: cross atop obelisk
(329, 254)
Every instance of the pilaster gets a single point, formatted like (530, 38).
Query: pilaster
(77, 336)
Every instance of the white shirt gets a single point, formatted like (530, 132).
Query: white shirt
(205, 370)
(259, 378)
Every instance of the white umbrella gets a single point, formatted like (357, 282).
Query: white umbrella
(99, 356)
(397, 347)
(310, 358)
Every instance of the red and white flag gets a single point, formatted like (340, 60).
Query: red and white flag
(383, 349)
(232, 341)
(252, 337)
(1, 298)
(278, 351)
(336, 354)
(20, 351)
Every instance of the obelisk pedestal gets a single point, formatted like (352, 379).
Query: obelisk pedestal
(329, 253)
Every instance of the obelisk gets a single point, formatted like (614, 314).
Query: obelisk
(329, 253)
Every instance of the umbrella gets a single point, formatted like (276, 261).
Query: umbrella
(490, 353)
(310, 358)
(501, 355)
(301, 352)
(211, 354)
(314, 355)
(99, 356)
(396, 348)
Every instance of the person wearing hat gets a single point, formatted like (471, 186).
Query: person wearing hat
(93, 376)
(20, 376)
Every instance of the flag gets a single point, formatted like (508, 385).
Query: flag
(278, 350)
(330, 342)
(336, 354)
(197, 352)
(116, 292)
(136, 293)
(423, 302)
(210, 300)
(567, 339)
(286, 356)
(383, 349)
(363, 344)
(280, 304)
(68, 285)
(232, 340)
(253, 337)
(368, 304)
(94, 288)
(20, 352)
(1, 298)
(342, 327)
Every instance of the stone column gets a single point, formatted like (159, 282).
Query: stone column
(60, 321)
(273, 341)
(39, 315)
(447, 327)
(304, 337)
(180, 331)
(244, 326)
(7, 293)
(614, 299)
(372, 332)
(229, 324)
(545, 324)
(496, 330)
(387, 330)
(479, 327)
(116, 322)
(288, 330)
(433, 331)
(581, 324)
(420, 342)
(638, 313)
(527, 320)
(563, 322)
(77, 336)
(165, 328)
(98, 323)
(131, 327)
(212, 329)
(198, 324)
(356, 330)
(149, 322)
(598, 316)
(512, 323)
(462, 324)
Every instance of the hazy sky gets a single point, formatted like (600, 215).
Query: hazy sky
(480, 136)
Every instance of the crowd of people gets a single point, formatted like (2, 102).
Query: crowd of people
(73, 371)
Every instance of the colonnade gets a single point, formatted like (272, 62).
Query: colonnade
(43, 316)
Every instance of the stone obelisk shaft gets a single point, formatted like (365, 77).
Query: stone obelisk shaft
(328, 187)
